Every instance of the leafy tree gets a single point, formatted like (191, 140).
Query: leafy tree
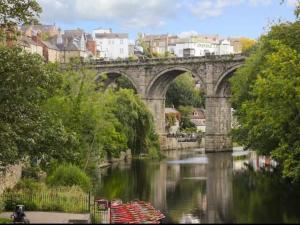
(183, 92)
(266, 96)
(137, 122)
(186, 112)
(26, 83)
(17, 12)
(247, 44)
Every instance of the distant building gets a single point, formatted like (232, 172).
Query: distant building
(73, 44)
(51, 52)
(30, 45)
(191, 48)
(111, 45)
(32, 30)
(237, 45)
(91, 45)
(198, 118)
(159, 43)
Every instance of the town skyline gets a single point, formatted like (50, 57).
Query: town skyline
(173, 17)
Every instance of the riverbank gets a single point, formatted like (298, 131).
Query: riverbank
(173, 144)
(107, 161)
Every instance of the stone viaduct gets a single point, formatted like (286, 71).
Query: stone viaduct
(152, 77)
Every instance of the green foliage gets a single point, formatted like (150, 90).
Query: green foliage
(135, 119)
(37, 196)
(171, 119)
(266, 96)
(183, 92)
(185, 122)
(26, 83)
(123, 82)
(69, 175)
(17, 12)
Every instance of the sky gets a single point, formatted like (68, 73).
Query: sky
(227, 18)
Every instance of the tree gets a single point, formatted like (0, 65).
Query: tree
(185, 122)
(17, 12)
(183, 92)
(26, 83)
(247, 44)
(266, 96)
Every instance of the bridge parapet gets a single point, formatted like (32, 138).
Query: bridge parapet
(170, 60)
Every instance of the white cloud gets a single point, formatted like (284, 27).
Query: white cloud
(131, 13)
(212, 8)
(136, 13)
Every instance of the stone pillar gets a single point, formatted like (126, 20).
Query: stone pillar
(218, 124)
(157, 108)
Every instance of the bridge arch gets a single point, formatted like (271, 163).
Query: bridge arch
(112, 76)
(222, 87)
(159, 85)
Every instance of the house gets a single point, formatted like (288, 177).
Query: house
(51, 52)
(190, 47)
(198, 118)
(91, 45)
(159, 43)
(30, 45)
(111, 45)
(172, 120)
(72, 44)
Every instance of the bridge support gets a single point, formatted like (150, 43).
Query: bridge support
(157, 108)
(218, 124)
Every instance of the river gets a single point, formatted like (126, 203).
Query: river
(193, 187)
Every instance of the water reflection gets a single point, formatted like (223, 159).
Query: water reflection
(193, 187)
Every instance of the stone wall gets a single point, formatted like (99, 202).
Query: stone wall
(10, 177)
(173, 144)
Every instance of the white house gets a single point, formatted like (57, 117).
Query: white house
(111, 45)
(188, 48)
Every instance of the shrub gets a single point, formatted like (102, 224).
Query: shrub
(69, 175)
(30, 185)
(33, 172)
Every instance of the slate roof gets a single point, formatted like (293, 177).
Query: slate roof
(50, 45)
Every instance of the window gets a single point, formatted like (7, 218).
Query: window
(121, 41)
(121, 50)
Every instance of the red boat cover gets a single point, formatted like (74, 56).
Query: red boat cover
(135, 212)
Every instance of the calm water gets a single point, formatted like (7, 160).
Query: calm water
(192, 187)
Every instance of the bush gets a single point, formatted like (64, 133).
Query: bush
(62, 199)
(33, 172)
(69, 175)
(30, 185)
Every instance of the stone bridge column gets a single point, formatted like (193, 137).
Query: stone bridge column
(157, 108)
(218, 116)
(218, 124)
